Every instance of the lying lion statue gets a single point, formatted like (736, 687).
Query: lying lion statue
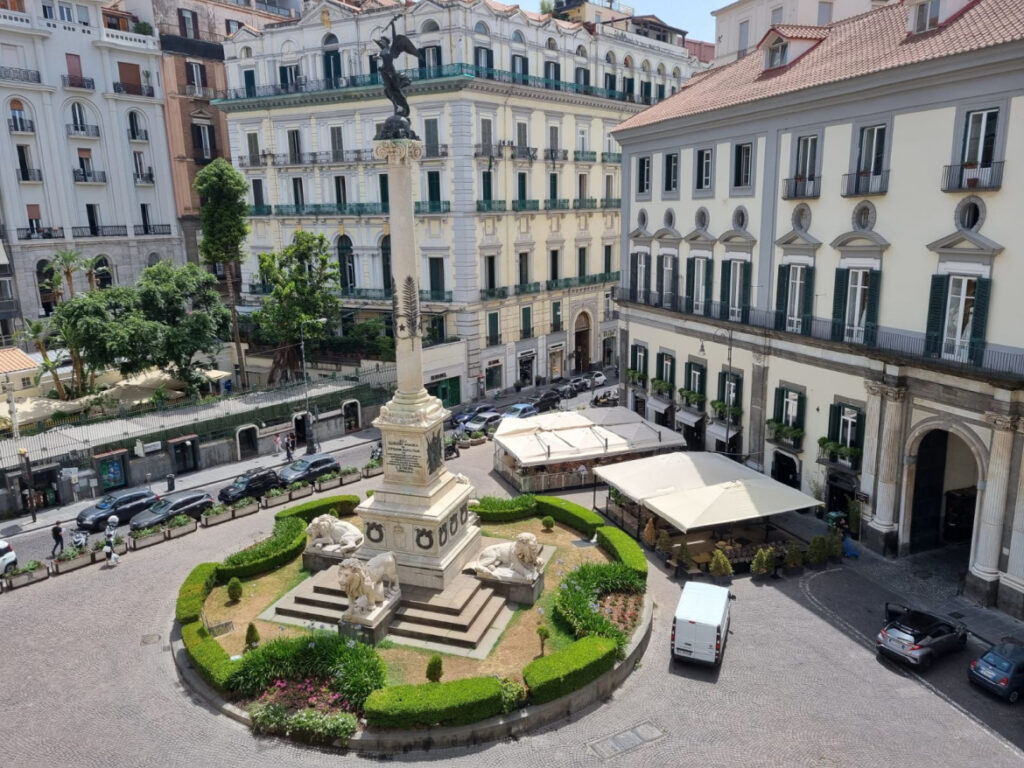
(521, 556)
(334, 535)
(363, 583)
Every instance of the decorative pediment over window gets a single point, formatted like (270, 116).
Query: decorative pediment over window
(797, 242)
(965, 242)
(668, 236)
(640, 236)
(860, 241)
(326, 14)
(737, 241)
(700, 237)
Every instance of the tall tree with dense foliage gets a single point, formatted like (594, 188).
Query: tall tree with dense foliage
(65, 263)
(38, 333)
(223, 220)
(305, 283)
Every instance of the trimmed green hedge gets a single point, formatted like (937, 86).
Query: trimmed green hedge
(568, 670)
(339, 506)
(495, 510)
(208, 657)
(458, 702)
(623, 548)
(193, 592)
(285, 544)
(573, 515)
(577, 596)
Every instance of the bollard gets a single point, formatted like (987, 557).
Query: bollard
(170, 483)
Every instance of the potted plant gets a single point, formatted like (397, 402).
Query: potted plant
(275, 497)
(464, 441)
(614, 499)
(762, 563)
(519, 384)
(718, 407)
(349, 474)
(835, 546)
(299, 489)
(817, 552)
(793, 563)
(244, 506)
(328, 480)
(853, 518)
(476, 438)
(734, 412)
(71, 559)
(215, 515)
(98, 555)
(720, 567)
(28, 573)
(374, 467)
(663, 545)
(180, 525)
(146, 537)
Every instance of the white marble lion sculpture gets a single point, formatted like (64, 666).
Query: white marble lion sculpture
(334, 535)
(521, 557)
(363, 583)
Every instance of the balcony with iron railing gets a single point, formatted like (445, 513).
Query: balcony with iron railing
(77, 81)
(584, 203)
(20, 125)
(785, 435)
(525, 205)
(435, 295)
(522, 152)
(28, 174)
(864, 183)
(611, 157)
(83, 131)
(584, 156)
(556, 326)
(9, 308)
(134, 89)
(143, 177)
(365, 294)
(138, 134)
(524, 289)
(493, 339)
(486, 294)
(40, 233)
(526, 333)
(611, 202)
(490, 206)
(967, 177)
(19, 75)
(84, 176)
(252, 161)
(432, 206)
(556, 155)
(800, 188)
(434, 151)
(562, 283)
(837, 456)
(556, 204)
(197, 92)
(114, 230)
(152, 229)
(487, 150)
(260, 210)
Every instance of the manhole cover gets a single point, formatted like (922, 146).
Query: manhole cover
(150, 639)
(624, 741)
(956, 615)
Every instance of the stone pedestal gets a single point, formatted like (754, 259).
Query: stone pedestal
(372, 627)
(421, 513)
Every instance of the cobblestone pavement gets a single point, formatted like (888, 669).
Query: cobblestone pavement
(89, 681)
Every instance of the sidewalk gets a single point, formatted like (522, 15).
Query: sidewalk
(927, 580)
(198, 479)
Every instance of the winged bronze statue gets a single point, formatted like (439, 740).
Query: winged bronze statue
(397, 126)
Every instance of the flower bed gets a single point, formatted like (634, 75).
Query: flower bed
(622, 609)
(577, 600)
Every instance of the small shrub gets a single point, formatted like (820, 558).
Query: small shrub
(476, 435)
(31, 565)
(763, 561)
(513, 694)
(142, 533)
(457, 702)
(349, 470)
(245, 501)
(663, 544)
(178, 521)
(435, 668)
(568, 670)
(495, 510)
(548, 522)
(298, 485)
(720, 565)
(817, 550)
(369, 494)
(543, 633)
(216, 510)
(794, 556)
(373, 464)
(70, 553)
(328, 476)
(252, 637)
(835, 544)
(273, 493)
(576, 517)
(235, 590)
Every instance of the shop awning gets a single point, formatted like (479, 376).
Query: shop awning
(718, 432)
(728, 502)
(643, 479)
(689, 418)
(659, 405)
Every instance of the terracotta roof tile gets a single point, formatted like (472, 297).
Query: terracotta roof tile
(871, 42)
(801, 31)
(13, 359)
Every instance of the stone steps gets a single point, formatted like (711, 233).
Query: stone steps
(456, 633)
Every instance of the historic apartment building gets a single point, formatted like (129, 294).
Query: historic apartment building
(517, 206)
(191, 34)
(821, 278)
(85, 155)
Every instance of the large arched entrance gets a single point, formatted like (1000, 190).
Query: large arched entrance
(945, 492)
(581, 343)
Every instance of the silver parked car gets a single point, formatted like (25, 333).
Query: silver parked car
(918, 638)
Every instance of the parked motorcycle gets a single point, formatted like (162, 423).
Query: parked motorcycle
(606, 399)
(377, 453)
(451, 451)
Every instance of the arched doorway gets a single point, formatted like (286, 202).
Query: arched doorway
(944, 493)
(247, 442)
(332, 61)
(581, 343)
(104, 273)
(351, 413)
(785, 469)
(49, 288)
(346, 265)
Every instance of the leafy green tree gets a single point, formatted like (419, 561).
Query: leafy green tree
(183, 306)
(38, 333)
(304, 283)
(65, 263)
(223, 219)
(93, 268)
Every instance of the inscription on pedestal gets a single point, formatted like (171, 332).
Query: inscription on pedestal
(403, 455)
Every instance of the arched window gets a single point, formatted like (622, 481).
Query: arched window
(517, 37)
(332, 59)
(430, 26)
(675, 73)
(481, 28)
(385, 262)
(661, 69)
(49, 289)
(104, 274)
(609, 58)
(78, 115)
(245, 52)
(581, 51)
(136, 129)
(646, 66)
(153, 259)
(552, 44)
(627, 62)
(330, 42)
(346, 264)
(19, 120)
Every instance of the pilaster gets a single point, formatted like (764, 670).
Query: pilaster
(1011, 583)
(883, 523)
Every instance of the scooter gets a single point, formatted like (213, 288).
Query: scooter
(80, 539)
(377, 453)
(451, 451)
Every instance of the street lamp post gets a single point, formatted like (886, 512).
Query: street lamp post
(307, 419)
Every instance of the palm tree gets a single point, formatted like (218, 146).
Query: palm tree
(66, 262)
(37, 333)
(94, 267)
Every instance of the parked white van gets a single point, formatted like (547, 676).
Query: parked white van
(701, 624)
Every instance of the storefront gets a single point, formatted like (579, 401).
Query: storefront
(556, 354)
(527, 367)
(691, 425)
(493, 374)
(112, 469)
(448, 389)
(184, 453)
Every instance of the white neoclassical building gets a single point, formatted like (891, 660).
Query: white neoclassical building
(822, 273)
(85, 157)
(517, 199)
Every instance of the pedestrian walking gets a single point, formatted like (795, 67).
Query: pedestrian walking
(58, 539)
(288, 447)
(277, 445)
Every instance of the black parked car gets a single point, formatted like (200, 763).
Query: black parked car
(308, 468)
(124, 504)
(547, 400)
(254, 484)
(191, 503)
(470, 412)
(918, 638)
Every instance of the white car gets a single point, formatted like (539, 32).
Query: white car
(8, 560)
(597, 378)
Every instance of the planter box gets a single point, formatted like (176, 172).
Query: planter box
(301, 493)
(248, 509)
(463, 444)
(148, 541)
(223, 517)
(477, 440)
(373, 471)
(66, 566)
(352, 478)
(273, 501)
(99, 557)
(23, 579)
(323, 485)
(182, 530)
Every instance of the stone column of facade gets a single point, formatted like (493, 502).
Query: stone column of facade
(872, 417)
(883, 523)
(983, 578)
(1011, 583)
(421, 511)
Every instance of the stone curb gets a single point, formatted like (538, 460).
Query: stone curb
(497, 728)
